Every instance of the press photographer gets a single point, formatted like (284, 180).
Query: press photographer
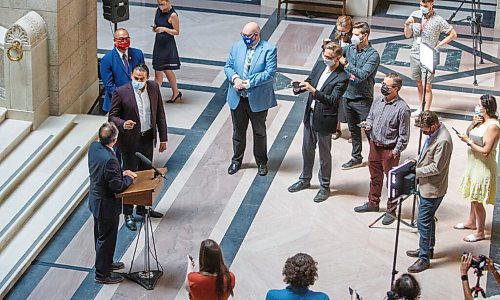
(478, 263)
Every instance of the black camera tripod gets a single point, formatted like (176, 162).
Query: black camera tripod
(475, 20)
(475, 290)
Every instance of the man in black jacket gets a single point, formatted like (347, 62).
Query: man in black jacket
(325, 85)
(106, 180)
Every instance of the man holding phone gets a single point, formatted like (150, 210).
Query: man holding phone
(388, 126)
(425, 26)
(326, 85)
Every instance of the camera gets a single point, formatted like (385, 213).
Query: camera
(478, 262)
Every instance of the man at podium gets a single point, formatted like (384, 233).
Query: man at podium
(106, 180)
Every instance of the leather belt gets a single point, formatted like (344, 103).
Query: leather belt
(388, 147)
(143, 133)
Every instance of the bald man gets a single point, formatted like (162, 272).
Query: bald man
(117, 65)
(250, 69)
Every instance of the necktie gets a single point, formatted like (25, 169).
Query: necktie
(125, 61)
(248, 62)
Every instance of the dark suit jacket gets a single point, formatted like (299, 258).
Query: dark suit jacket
(124, 107)
(106, 179)
(327, 98)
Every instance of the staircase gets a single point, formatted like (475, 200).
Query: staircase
(44, 177)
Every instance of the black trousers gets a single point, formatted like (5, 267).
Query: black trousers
(355, 112)
(132, 163)
(105, 233)
(240, 116)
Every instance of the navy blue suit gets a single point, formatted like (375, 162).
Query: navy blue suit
(114, 74)
(106, 179)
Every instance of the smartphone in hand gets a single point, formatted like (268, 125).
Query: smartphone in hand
(456, 131)
(296, 87)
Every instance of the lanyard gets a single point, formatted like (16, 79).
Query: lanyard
(422, 25)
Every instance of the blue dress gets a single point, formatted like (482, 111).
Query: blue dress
(291, 293)
(165, 56)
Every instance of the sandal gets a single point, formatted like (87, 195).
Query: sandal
(461, 226)
(471, 238)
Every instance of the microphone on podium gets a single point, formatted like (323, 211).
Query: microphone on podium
(148, 163)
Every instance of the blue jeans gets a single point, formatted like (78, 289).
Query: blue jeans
(427, 225)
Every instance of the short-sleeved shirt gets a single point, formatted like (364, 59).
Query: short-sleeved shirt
(202, 287)
(432, 28)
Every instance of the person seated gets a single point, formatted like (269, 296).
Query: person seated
(213, 281)
(300, 272)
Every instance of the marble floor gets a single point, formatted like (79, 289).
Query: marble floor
(257, 222)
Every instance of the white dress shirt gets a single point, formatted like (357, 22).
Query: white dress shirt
(144, 108)
(321, 81)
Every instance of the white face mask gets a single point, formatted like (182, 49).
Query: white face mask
(138, 85)
(343, 44)
(424, 10)
(356, 40)
(328, 62)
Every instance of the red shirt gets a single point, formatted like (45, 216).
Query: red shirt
(202, 287)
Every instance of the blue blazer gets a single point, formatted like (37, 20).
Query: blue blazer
(290, 293)
(106, 180)
(114, 74)
(261, 75)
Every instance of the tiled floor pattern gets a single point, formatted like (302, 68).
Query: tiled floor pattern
(258, 223)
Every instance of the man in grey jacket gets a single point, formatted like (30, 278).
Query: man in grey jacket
(432, 174)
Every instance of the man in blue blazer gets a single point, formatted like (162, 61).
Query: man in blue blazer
(250, 68)
(117, 65)
(106, 180)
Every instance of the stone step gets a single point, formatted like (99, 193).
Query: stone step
(16, 166)
(19, 206)
(3, 114)
(12, 132)
(24, 247)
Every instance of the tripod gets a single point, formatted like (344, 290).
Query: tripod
(475, 20)
(396, 242)
(475, 290)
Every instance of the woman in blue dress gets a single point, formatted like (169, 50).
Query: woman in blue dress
(165, 56)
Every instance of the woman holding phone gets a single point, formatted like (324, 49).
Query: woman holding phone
(165, 56)
(479, 183)
(213, 281)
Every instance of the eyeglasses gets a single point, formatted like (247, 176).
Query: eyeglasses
(389, 86)
(123, 38)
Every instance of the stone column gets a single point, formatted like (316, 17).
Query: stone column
(497, 19)
(72, 47)
(26, 69)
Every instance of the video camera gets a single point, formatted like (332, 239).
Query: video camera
(478, 262)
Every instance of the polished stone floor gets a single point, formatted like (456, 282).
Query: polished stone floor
(258, 223)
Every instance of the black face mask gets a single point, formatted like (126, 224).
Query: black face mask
(385, 90)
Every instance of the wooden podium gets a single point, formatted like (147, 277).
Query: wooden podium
(141, 192)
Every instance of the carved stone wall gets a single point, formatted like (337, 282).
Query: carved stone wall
(72, 45)
(25, 69)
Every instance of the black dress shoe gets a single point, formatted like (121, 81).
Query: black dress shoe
(117, 265)
(111, 279)
(262, 170)
(233, 168)
(389, 217)
(155, 214)
(299, 186)
(152, 213)
(419, 266)
(416, 253)
(130, 222)
(322, 195)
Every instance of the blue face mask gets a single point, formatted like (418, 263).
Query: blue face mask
(248, 40)
(137, 85)
(424, 10)
(477, 110)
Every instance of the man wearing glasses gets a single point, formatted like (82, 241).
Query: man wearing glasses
(116, 66)
(250, 68)
(388, 128)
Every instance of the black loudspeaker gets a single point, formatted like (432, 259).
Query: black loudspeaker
(115, 10)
